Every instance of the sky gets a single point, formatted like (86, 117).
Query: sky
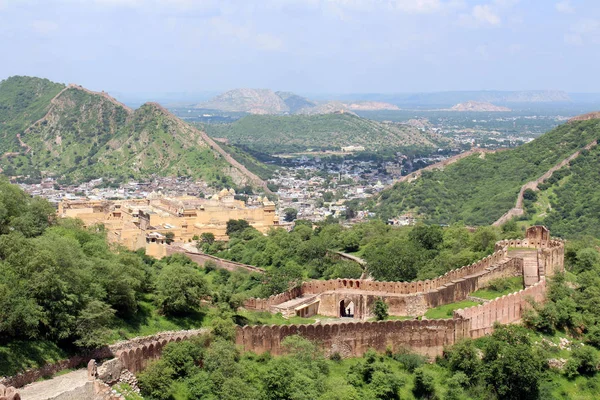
(306, 46)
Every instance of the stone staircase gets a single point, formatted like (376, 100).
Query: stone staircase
(531, 270)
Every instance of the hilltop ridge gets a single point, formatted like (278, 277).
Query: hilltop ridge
(265, 101)
(291, 133)
(480, 190)
(83, 135)
(478, 106)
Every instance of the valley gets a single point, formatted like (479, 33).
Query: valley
(319, 225)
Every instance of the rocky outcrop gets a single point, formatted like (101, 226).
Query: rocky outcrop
(478, 106)
(586, 117)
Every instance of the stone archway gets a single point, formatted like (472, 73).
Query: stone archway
(347, 308)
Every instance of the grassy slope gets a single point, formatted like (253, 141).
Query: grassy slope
(88, 136)
(264, 171)
(272, 134)
(515, 284)
(23, 101)
(574, 200)
(478, 191)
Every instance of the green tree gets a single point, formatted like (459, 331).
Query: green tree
(350, 240)
(93, 324)
(290, 214)
(180, 289)
(510, 365)
(380, 309)
(424, 385)
(155, 382)
(235, 226)
(207, 237)
(170, 237)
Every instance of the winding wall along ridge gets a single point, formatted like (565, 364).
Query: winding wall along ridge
(517, 210)
(426, 337)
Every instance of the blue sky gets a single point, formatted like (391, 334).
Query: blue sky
(307, 46)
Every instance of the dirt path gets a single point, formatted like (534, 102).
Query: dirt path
(53, 387)
(533, 185)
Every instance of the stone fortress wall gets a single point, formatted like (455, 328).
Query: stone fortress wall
(134, 355)
(403, 298)
(426, 337)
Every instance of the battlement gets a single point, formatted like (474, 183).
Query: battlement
(353, 339)
(427, 337)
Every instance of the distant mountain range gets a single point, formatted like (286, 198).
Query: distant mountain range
(49, 129)
(448, 99)
(265, 101)
(478, 106)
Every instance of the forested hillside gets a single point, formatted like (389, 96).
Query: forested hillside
(82, 135)
(279, 134)
(479, 189)
(22, 102)
(569, 202)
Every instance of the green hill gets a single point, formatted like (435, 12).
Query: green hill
(478, 190)
(279, 134)
(80, 135)
(569, 202)
(23, 101)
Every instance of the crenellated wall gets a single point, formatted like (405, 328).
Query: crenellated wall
(480, 320)
(403, 298)
(316, 286)
(105, 352)
(427, 337)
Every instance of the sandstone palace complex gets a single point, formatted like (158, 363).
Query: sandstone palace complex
(145, 223)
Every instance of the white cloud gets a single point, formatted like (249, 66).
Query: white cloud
(564, 7)
(485, 15)
(489, 15)
(417, 6)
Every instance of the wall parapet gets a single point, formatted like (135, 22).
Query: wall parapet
(426, 337)
(505, 310)
(400, 288)
(202, 258)
(104, 352)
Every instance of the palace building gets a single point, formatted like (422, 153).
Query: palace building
(145, 223)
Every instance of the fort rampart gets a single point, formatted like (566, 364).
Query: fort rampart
(403, 298)
(135, 353)
(201, 259)
(507, 309)
(427, 337)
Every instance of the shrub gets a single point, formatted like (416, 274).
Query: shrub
(583, 361)
(155, 382)
(424, 386)
(410, 361)
(380, 309)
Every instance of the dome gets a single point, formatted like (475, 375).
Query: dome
(232, 192)
(224, 193)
